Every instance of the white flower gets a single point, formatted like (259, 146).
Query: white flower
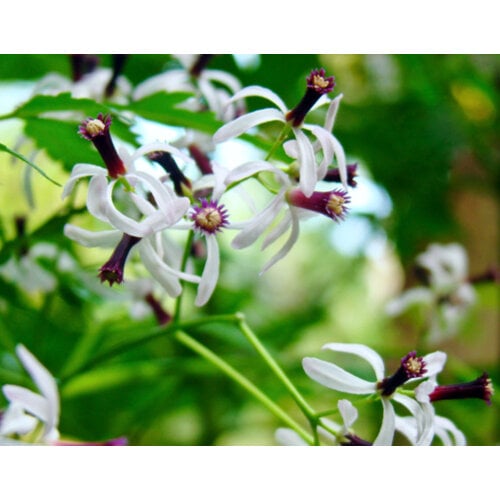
(27, 408)
(349, 414)
(168, 208)
(302, 148)
(447, 294)
(157, 252)
(215, 87)
(284, 211)
(336, 378)
(27, 272)
(443, 428)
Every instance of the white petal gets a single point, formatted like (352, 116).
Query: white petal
(362, 351)
(341, 161)
(408, 427)
(40, 375)
(251, 168)
(294, 235)
(332, 112)
(15, 421)
(423, 419)
(444, 427)
(417, 295)
(82, 170)
(167, 276)
(278, 230)
(307, 163)
(336, 378)
(210, 272)
(288, 437)
(46, 385)
(423, 390)
(434, 363)
(428, 427)
(291, 148)
(160, 271)
(31, 401)
(91, 239)
(244, 123)
(327, 147)
(171, 206)
(256, 226)
(223, 77)
(120, 221)
(348, 412)
(258, 91)
(97, 197)
(219, 180)
(386, 433)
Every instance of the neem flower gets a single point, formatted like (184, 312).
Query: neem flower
(412, 367)
(27, 408)
(290, 203)
(303, 149)
(209, 218)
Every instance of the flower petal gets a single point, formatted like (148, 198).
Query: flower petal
(256, 226)
(210, 273)
(417, 295)
(424, 420)
(91, 239)
(348, 412)
(31, 401)
(15, 421)
(434, 363)
(362, 351)
(96, 197)
(40, 375)
(331, 114)
(336, 378)
(307, 163)
(288, 437)
(258, 91)
(82, 170)
(45, 383)
(244, 123)
(444, 427)
(294, 235)
(388, 428)
(327, 147)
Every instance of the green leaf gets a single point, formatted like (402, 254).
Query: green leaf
(163, 108)
(61, 142)
(61, 102)
(19, 156)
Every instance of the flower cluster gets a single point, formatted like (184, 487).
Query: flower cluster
(420, 427)
(153, 213)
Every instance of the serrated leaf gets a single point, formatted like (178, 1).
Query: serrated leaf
(61, 142)
(40, 104)
(19, 156)
(164, 108)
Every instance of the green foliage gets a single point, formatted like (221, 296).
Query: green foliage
(429, 141)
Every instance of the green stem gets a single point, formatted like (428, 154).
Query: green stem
(279, 141)
(237, 377)
(185, 256)
(264, 354)
(157, 333)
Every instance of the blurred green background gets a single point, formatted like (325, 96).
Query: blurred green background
(424, 130)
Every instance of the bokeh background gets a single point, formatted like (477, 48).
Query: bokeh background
(424, 130)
